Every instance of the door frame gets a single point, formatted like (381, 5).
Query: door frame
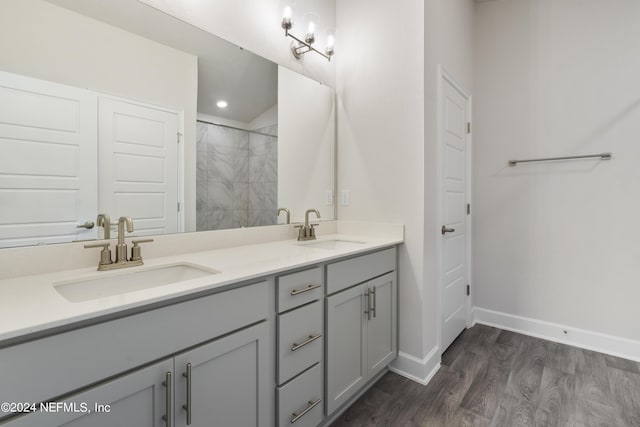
(180, 145)
(445, 75)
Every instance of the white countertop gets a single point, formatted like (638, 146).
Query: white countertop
(31, 304)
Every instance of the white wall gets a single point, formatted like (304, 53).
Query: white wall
(40, 40)
(387, 121)
(306, 145)
(448, 42)
(381, 135)
(255, 25)
(558, 242)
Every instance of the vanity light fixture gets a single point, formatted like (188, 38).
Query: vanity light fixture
(299, 46)
(222, 104)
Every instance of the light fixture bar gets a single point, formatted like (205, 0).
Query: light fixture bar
(297, 50)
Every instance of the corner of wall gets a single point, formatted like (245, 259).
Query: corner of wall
(418, 370)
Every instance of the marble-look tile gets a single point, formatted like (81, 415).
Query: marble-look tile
(221, 139)
(220, 219)
(202, 196)
(271, 196)
(257, 144)
(201, 167)
(220, 196)
(256, 196)
(240, 218)
(271, 147)
(201, 137)
(241, 195)
(270, 130)
(241, 143)
(270, 171)
(219, 167)
(269, 217)
(240, 168)
(202, 223)
(254, 218)
(256, 168)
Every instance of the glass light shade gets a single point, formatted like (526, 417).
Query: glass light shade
(311, 23)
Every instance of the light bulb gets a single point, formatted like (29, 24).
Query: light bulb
(222, 104)
(312, 23)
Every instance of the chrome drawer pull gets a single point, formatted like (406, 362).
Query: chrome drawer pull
(307, 289)
(375, 303)
(312, 404)
(168, 416)
(311, 338)
(187, 406)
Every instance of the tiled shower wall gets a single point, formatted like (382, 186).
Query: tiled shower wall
(237, 177)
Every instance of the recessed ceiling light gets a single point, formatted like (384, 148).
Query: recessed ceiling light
(222, 104)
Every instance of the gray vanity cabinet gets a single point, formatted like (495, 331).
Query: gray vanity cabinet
(346, 346)
(381, 328)
(228, 384)
(361, 323)
(137, 399)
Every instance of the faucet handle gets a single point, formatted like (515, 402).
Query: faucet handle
(136, 255)
(105, 253)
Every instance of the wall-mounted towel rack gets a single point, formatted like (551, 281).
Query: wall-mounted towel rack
(603, 156)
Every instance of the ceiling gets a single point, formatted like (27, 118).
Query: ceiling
(246, 81)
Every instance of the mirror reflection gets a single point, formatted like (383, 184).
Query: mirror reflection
(116, 108)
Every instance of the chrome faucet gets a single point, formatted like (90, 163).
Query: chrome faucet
(121, 248)
(280, 210)
(306, 231)
(105, 222)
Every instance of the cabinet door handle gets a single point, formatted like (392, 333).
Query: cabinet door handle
(310, 339)
(368, 310)
(187, 406)
(88, 225)
(167, 417)
(302, 291)
(375, 302)
(312, 404)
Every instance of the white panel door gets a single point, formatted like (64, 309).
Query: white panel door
(138, 165)
(455, 116)
(48, 159)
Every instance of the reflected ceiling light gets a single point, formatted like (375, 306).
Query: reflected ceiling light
(301, 46)
(222, 104)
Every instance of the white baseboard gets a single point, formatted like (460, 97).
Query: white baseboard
(418, 370)
(596, 341)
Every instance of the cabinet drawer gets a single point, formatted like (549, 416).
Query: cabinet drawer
(299, 288)
(341, 275)
(300, 342)
(300, 401)
(48, 367)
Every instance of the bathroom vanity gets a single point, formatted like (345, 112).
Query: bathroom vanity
(283, 333)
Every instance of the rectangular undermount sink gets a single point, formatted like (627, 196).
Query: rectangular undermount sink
(128, 280)
(334, 244)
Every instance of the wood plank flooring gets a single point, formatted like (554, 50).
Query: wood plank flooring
(491, 377)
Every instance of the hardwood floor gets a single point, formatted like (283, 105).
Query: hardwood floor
(491, 377)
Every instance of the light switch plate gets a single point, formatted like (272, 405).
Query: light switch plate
(345, 197)
(329, 198)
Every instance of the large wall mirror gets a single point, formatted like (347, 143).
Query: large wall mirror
(113, 107)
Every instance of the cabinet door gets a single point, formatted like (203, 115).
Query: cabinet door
(229, 381)
(137, 399)
(346, 371)
(381, 329)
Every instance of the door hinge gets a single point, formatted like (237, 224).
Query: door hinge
(178, 206)
(468, 127)
(179, 136)
(468, 208)
(468, 290)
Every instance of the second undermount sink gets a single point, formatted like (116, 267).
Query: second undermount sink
(333, 244)
(128, 280)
